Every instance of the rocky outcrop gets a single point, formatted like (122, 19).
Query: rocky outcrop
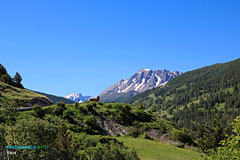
(110, 127)
(41, 101)
(160, 136)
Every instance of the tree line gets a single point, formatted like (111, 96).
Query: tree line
(5, 78)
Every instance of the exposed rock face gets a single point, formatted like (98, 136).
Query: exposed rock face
(110, 127)
(41, 101)
(141, 81)
(160, 136)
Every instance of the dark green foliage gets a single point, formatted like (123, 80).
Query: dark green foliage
(61, 104)
(63, 149)
(183, 136)
(210, 135)
(90, 120)
(136, 130)
(8, 111)
(68, 114)
(98, 148)
(229, 148)
(3, 142)
(75, 104)
(17, 80)
(141, 114)
(5, 77)
(32, 131)
(2, 135)
(38, 111)
(60, 108)
(91, 125)
(198, 96)
(124, 114)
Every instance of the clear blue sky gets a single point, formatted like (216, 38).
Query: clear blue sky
(61, 47)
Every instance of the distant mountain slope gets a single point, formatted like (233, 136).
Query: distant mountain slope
(56, 99)
(141, 81)
(198, 96)
(76, 97)
(23, 97)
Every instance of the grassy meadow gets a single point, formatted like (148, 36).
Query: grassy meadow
(153, 150)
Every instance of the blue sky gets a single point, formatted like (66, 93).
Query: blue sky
(61, 47)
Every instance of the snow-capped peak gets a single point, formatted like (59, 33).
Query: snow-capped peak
(77, 97)
(143, 70)
(144, 79)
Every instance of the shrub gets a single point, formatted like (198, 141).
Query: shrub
(38, 111)
(229, 148)
(60, 108)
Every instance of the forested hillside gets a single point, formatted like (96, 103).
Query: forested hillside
(197, 97)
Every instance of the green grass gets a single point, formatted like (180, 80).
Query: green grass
(11, 92)
(153, 150)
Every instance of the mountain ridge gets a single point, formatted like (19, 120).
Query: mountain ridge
(141, 81)
(76, 97)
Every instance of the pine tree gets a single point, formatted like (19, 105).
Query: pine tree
(17, 80)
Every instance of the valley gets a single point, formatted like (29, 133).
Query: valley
(185, 117)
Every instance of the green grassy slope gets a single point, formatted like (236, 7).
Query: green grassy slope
(8, 92)
(152, 150)
(17, 93)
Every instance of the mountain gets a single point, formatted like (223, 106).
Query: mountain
(197, 97)
(141, 81)
(56, 99)
(76, 97)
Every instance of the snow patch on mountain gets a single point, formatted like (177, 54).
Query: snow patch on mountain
(141, 81)
(77, 97)
(159, 80)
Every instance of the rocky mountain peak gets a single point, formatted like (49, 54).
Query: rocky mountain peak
(76, 97)
(141, 81)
